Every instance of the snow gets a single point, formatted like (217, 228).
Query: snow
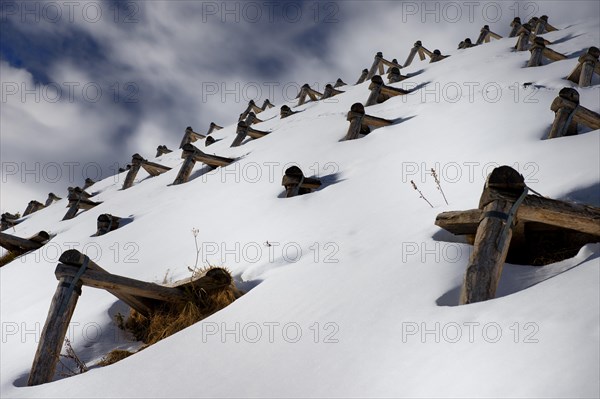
(358, 267)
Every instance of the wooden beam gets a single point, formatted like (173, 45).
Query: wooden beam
(51, 198)
(569, 113)
(363, 76)
(32, 207)
(19, 246)
(213, 126)
(192, 155)
(380, 92)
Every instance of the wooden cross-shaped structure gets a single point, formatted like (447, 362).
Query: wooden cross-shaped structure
(418, 48)
(486, 35)
(540, 51)
(78, 199)
(586, 67)
(243, 130)
(286, 111)
(162, 150)
(296, 184)
(107, 223)
(378, 65)
(568, 113)
(137, 162)
(9, 220)
(192, 155)
(330, 91)
(543, 25)
(380, 92)
(306, 91)
(51, 198)
(361, 123)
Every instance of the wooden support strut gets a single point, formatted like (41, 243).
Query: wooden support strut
(504, 190)
(192, 155)
(417, 49)
(569, 113)
(244, 130)
(585, 69)
(437, 56)
(213, 126)
(363, 76)
(19, 246)
(306, 91)
(137, 162)
(51, 198)
(32, 207)
(190, 137)
(296, 184)
(78, 199)
(286, 111)
(360, 122)
(515, 25)
(542, 25)
(539, 50)
(339, 83)
(486, 35)
(162, 150)
(380, 92)
(107, 223)
(524, 36)
(378, 64)
(330, 91)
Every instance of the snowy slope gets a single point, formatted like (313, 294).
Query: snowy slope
(361, 256)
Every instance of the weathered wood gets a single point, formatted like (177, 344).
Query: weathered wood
(19, 246)
(77, 200)
(306, 91)
(296, 184)
(330, 91)
(459, 222)
(78, 192)
(286, 111)
(380, 92)
(539, 50)
(378, 65)
(8, 220)
(492, 239)
(162, 150)
(360, 123)
(437, 56)
(524, 36)
(209, 140)
(266, 104)
(54, 331)
(136, 164)
(486, 35)
(51, 198)
(88, 182)
(244, 130)
(515, 25)
(394, 76)
(588, 65)
(568, 113)
(190, 136)
(252, 107)
(542, 25)
(32, 207)
(213, 126)
(154, 169)
(251, 118)
(465, 44)
(107, 223)
(417, 49)
(192, 155)
(339, 83)
(363, 76)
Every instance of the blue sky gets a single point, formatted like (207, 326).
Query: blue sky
(86, 84)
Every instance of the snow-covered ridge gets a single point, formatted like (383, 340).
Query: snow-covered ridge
(349, 299)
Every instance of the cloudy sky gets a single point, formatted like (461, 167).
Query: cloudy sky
(85, 84)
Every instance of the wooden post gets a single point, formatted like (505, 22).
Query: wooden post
(162, 150)
(585, 69)
(192, 155)
(375, 87)
(107, 223)
(503, 188)
(339, 83)
(523, 34)
(564, 107)
(542, 25)
(136, 164)
(296, 184)
(307, 91)
(51, 198)
(88, 182)
(355, 116)
(186, 168)
(55, 329)
(213, 126)
(515, 25)
(537, 51)
(286, 111)
(242, 131)
(266, 104)
(482, 34)
(363, 76)
(32, 207)
(330, 91)
(413, 52)
(376, 65)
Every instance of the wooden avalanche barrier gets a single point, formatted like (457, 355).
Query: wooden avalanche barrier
(363, 76)
(568, 113)
(78, 199)
(514, 25)
(252, 119)
(107, 223)
(505, 210)
(286, 111)
(360, 123)
(75, 270)
(542, 26)
(417, 49)
(585, 69)
(190, 137)
(192, 155)
(330, 91)
(486, 35)
(437, 56)
(296, 184)
(252, 107)
(394, 76)
(51, 198)
(306, 91)
(137, 162)
(88, 182)
(378, 65)
(465, 44)
(380, 92)
(244, 130)
(339, 83)
(540, 51)
(8, 220)
(162, 150)
(20, 246)
(209, 140)
(213, 126)
(32, 207)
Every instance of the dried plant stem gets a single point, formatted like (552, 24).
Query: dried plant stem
(420, 193)
(437, 182)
